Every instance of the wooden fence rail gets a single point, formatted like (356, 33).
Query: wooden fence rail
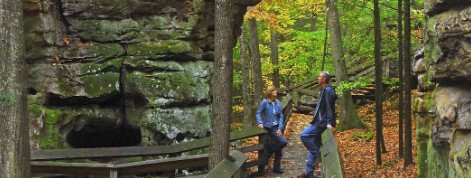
(331, 166)
(44, 162)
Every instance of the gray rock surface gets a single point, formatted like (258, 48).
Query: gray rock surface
(110, 67)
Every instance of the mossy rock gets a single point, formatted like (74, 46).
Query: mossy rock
(143, 64)
(107, 30)
(446, 57)
(163, 89)
(155, 50)
(90, 68)
(188, 85)
(36, 73)
(39, 23)
(438, 6)
(174, 121)
(101, 84)
(69, 81)
(92, 52)
(41, 53)
(58, 122)
(165, 28)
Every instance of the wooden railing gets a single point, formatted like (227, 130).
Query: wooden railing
(41, 166)
(331, 166)
(45, 162)
(229, 166)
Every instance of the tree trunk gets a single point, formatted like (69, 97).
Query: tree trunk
(325, 46)
(222, 83)
(14, 124)
(274, 57)
(378, 83)
(407, 96)
(256, 63)
(401, 78)
(249, 116)
(348, 116)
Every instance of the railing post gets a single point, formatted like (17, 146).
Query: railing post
(263, 154)
(113, 173)
(242, 172)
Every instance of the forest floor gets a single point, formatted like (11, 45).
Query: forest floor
(356, 146)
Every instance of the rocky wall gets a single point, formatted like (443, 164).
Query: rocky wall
(443, 106)
(120, 72)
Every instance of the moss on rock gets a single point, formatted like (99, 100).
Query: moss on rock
(172, 121)
(108, 31)
(100, 84)
(167, 47)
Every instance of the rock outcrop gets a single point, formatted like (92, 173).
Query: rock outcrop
(120, 72)
(443, 106)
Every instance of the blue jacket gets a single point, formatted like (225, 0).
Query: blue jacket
(324, 113)
(272, 112)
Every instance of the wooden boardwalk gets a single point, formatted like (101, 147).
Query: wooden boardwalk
(295, 154)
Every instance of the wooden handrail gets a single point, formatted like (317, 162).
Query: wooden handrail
(132, 151)
(307, 82)
(228, 166)
(41, 159)
(104, 169)
(287, 107)
(331, 166)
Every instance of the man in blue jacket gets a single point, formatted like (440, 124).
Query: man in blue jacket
(324, 117)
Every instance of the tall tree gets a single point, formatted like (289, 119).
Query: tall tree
(222, 82)
(400, 48)
(256, 61)
(14, 140)
(246, 92)
(378, 83)
(348, 116)
(325, 46)
(407, 92)
(274, 56)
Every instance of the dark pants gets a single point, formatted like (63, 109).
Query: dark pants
(276, 145)
(311, 138)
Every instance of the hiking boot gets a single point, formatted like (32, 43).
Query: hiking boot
(305, 175)
(278, 171)
(316, 163)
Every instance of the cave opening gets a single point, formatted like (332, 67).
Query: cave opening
(101, 132)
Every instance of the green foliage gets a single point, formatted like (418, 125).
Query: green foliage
(393, 83)
(301, 34)
(363, 136)
(360, 82)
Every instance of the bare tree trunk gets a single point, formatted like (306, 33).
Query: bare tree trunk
(407, 95)
(14, 124)
(249, 116)
(274, 57)
(348, 116)
(401, 78)
(221, 83)
(378, 83)
(325, 46)
(256, 63)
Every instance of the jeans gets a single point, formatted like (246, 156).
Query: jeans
(311, 138)
(276, 145)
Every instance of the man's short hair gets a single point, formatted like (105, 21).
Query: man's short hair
(326, 76)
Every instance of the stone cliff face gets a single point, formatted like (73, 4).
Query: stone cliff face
(120, 72)
(443, 106)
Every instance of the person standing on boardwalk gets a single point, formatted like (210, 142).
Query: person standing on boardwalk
(271, 110)
(324, 117)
